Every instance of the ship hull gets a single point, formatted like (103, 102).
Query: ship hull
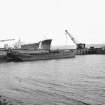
(3, 56)
(33, 56)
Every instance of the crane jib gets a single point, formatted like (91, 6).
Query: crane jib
(6, 40)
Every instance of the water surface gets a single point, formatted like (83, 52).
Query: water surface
(73, 81)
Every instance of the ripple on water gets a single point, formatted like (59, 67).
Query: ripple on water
(79, 81)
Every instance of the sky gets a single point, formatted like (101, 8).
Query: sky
(35, 20)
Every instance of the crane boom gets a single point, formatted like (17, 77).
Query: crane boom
(71, 37)
(78, 45)
(6, 40)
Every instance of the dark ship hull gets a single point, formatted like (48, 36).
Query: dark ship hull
(3, 56)
(27, 55)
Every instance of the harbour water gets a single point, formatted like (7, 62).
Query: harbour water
(74, 81)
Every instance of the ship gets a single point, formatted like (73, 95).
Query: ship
(3, 50)
(3, 55)
(39, 51)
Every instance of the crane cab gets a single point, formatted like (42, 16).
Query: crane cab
(80, 46)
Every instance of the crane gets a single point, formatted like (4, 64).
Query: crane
(6, 45)
(6, 40)
(78, 45)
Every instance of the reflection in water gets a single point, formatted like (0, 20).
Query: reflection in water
(78, 81)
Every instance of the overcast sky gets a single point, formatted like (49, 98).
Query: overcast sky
(34, 20)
